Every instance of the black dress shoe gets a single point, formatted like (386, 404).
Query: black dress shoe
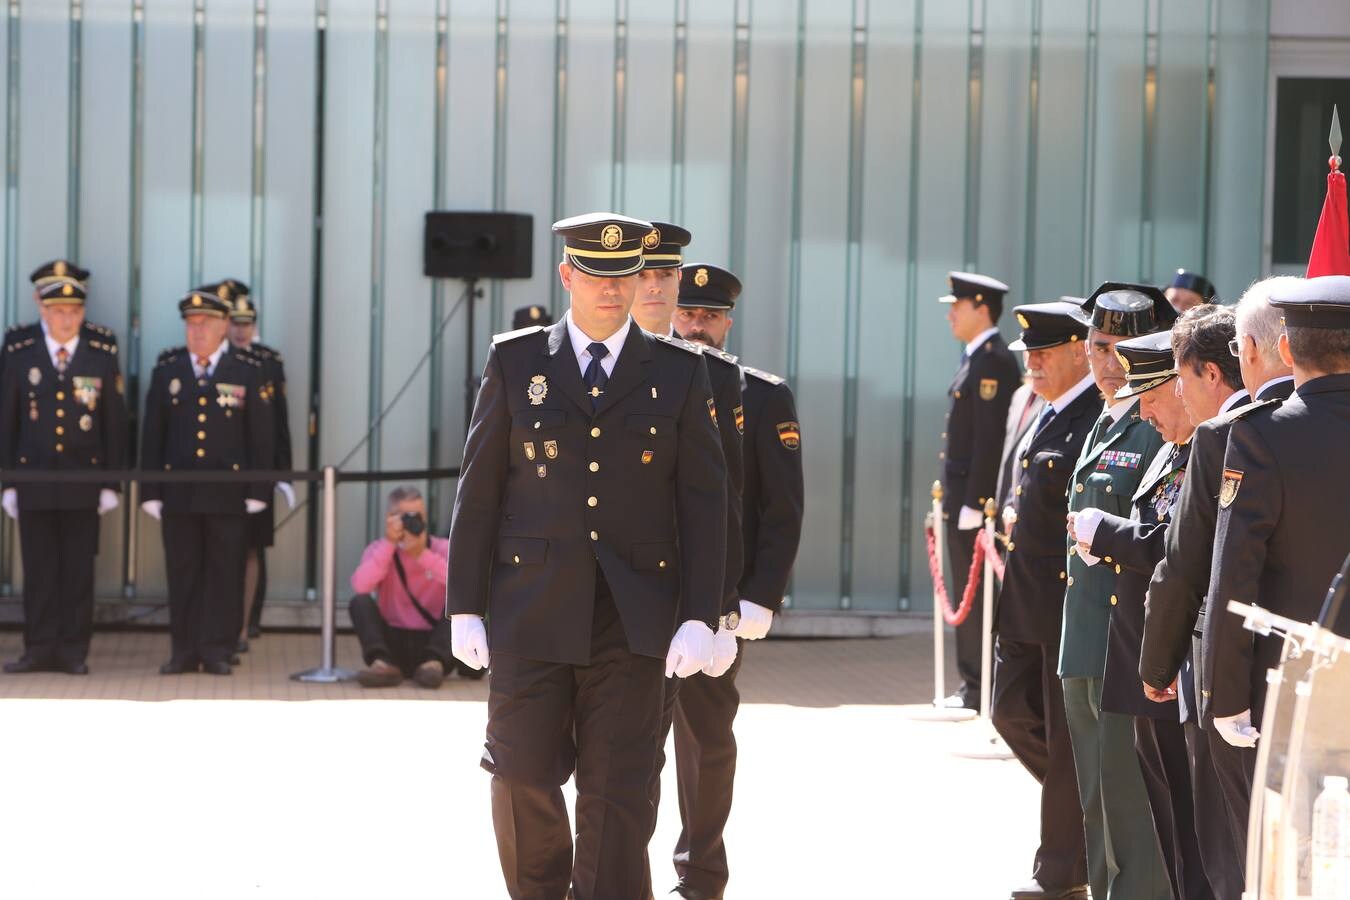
(242, 646)
(689, 892)
(234, 659)
(254, 631)
(177, 667)
(216, 667)
(25, 664)
(74, 668)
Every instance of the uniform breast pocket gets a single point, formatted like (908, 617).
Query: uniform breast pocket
(1101, 481)
(521, 551)
(658, 428)
(1049, 459)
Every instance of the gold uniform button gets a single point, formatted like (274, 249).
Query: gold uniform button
(60, 395)
(592, 502)
(201, 435)
(595, 432)
(1204, 693)
(200, 452)
(1117, 568)
(60, 429)
(201, 401)
(1061, 576)
(661, 564)
(1108, 559)
(1050, 463)
(595, 536)
(1070, 581)
(201, 417)
(536, 426)
(516, 560)
(60, 413)
(1078, 489)
(235, 467)
(942, 454)
(1113, 600)
(653, 429)
(1108, 488)
(1019, 490)
(958, 395)
(59, 448)
(1025, 463)
(595, 467)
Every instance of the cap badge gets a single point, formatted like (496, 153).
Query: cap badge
(1022, 320)
(611, 237)
(67, 291)
(196, 300)
(223, 292)
(535, 313)
(652, 239)
(1232, 480)
(1124, 362)
(537, 390)
(701, 278)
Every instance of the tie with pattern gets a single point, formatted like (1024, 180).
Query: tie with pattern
(204, 363)
(595, 377)
(62, 359)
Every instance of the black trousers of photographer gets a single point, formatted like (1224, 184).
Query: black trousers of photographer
(406, 648)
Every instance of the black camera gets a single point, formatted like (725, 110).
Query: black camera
(414, 524)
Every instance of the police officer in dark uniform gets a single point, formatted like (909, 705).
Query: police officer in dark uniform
(61, 408)
(979, 394)
(1028, 703)
(590, 528)
(1284, 506)
(1189, 289)
(1132, 548)
(43, 275)
(208, 409)
(529, 316)
(243, 332)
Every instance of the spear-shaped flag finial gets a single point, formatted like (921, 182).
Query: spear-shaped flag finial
(1331, 243)
(1335, 138)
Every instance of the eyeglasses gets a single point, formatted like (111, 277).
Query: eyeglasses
(1235, 346)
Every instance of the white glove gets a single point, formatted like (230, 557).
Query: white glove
(1237, 730)
(468, 640)
(254, 506)
(10, 501)
(690, 650)
(153, 508)
(723, 655)
(107, 500)
(755, 621)
(285, 489)
(969, 518)
(1082, 529)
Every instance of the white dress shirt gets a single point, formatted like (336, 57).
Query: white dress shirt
(1233, 400)
(980, 339)
(212, 360)
(580, 343)
(53, 347)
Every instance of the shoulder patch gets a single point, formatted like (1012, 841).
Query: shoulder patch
(1242, 412)
(680, 343)
(170, 355)
(764, 376)
(722, 355)
(507, 336)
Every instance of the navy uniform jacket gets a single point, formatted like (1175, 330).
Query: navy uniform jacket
(774, 490)
(1283, 532)
(76, 420)
(1175, 612)
(724, 376)
(223, 422)
(549, 489)
(1132, 549)
(980, 394)
(1031, 599)
(274, 382)
(89, 332)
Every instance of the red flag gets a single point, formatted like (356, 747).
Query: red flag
(1331, 245)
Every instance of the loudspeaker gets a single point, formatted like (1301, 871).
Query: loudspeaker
(478, 245)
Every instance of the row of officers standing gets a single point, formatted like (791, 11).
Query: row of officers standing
(1156, 465)
(218, 403)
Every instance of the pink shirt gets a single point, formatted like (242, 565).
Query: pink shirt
(426, 577)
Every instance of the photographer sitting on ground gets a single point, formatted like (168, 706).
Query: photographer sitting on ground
(403, 629)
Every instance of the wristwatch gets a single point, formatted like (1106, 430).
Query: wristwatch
(729, 621)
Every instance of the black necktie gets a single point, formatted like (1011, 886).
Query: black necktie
(595, 376)
(1046, 415)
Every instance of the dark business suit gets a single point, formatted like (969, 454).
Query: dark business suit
(976, 422)
(71, 420)
(586, 534)
(1028, 702)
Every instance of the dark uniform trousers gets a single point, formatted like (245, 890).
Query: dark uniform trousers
(58, 548)
(539, 714)
(204, 562)
(406, 648)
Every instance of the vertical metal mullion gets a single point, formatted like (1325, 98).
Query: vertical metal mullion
(1152, 55)
(1091, 63)
(740, 140)
(857, 135)
(316, 293)
(911, 315)
(379, 192)
(974, 131)
(794, 299)
(679, 85)
(1033, 150)
(197, 237)
(7, 530)
(132, 346)
(559, 135)
(499, 145)
(257, 207)
(74, 118)
(441, 116)
(619, 132)
(1207, 129)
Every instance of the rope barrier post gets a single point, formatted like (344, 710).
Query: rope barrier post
(327, 672)
(987, 625)
(939, 632)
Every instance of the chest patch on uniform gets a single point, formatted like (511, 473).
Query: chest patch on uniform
(1166, 493)
(86, 422)
(551, 449)
(1118, 459)
(230, 396)
(988, 388)
(647, 457)
(87, 389)
(174, 387)
(35, 376)
(542, 470)
(1232, 480)
(739, 412)
(537, 390)
(529, 450)
(790, 435)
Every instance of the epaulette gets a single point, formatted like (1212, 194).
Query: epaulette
(265, 352)
(102, 330)
(15, 345)
(764, 376)
(18, 327)
(248, 356)
(104, 346)
(1243, 411)
(723, 355)
(506, 336)
(170, 355)
(681, 343)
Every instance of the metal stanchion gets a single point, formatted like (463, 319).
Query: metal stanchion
(988, 745)
(327, 672)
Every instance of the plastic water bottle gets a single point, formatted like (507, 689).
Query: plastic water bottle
(1331, 840)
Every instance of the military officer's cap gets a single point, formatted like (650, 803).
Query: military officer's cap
(58, 270)
(663, 246)
(64, 292)
(1122, 309)
(603, 244)
(200, 302)
(527, 316)
(1194, 281)
(970, 286)
(708, 287)
(1147, 361)
(1321, 302)
(1049, 324)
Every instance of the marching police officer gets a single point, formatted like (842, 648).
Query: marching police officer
(1175, 614)
(208, 409)
(661, 279)
(1123, 854)
(590, 528)
(61, 409)
(243, 318)
(528, 316)
(978, 415)
(1284, 510)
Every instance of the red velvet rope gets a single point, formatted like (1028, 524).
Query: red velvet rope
(972, 579)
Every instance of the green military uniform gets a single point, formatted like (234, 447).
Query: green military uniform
(1123, 855)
